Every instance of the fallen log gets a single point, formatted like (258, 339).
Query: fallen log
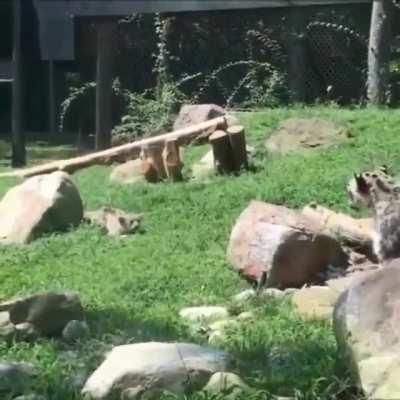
(355, 232)
(105, 157)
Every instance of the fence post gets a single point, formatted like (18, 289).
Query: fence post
(297, 54)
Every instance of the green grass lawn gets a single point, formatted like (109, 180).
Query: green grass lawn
(133, 288)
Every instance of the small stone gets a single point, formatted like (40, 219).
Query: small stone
(204, 314)
(274, 293)
(26, 331)
(226, 383)
(15, 378)
(246, 316)
(244, 296)
(75, 330)
(30, 397)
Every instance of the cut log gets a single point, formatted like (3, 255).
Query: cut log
(238, 144)
(281, 247)
(184, 136)
(153, 154)
(222, 150)
(172, 160)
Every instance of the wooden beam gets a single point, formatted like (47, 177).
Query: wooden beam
(183, 136)
(105, 45)
(17, 117)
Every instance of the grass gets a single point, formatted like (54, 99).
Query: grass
(133, 288)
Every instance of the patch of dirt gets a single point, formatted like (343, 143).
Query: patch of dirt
(305, 135)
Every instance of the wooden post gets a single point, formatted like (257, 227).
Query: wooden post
(153, 154)
(379, 51)
(237, 140)
(297, 57)
(223, 157)
(105, 45)
(17, 117)
(52, 99)
(172, 160)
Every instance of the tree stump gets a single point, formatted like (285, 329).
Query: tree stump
(172, 160)
(153, 154)
(222, 151)
(237, 141)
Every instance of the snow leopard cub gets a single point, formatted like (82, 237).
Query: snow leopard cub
(378, 190)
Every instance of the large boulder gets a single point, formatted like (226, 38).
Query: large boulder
(45, 314)
(366, 319)
(281, 246)
(128, 173)
(191, 114)
(44, 203)
(153, 367)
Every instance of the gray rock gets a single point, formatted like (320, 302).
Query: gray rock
(191, 114)
(44, 203)
(366, 318)
(274, 293)
(46, 313)
(128, 173)
(174, 367)
(15, 378)
(244, 296)
(75, 330)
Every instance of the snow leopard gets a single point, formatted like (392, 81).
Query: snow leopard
(379, 191)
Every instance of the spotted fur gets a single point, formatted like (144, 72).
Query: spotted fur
(378, 190)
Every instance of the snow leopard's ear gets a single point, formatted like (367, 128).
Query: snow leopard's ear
(362, 184)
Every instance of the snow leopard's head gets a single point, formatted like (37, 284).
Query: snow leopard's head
(365, 189)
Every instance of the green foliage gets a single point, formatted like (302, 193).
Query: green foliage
(148, 113)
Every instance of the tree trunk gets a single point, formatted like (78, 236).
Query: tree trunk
(238, 144)
(105, 45)
(17, 119)
(222, 150)
(379, 51)
(297, 57)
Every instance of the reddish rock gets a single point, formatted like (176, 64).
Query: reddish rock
(281, 244)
